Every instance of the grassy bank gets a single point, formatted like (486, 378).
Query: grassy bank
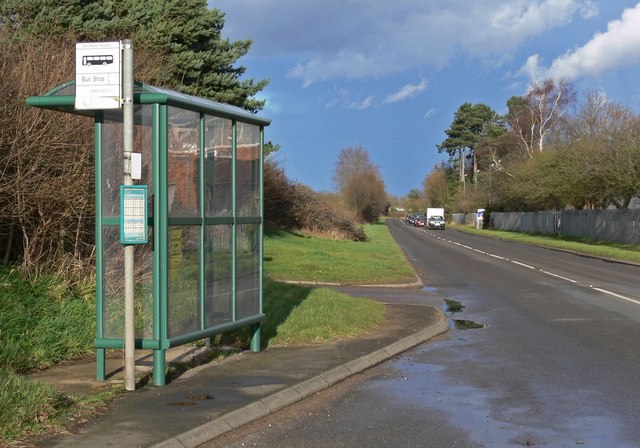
(42, 323)
(295, 257)
(46, 321)
(582, 246)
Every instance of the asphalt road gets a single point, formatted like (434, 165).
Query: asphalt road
(556, 362)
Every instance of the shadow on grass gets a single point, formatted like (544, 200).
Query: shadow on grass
(279, 300)
(272, 232)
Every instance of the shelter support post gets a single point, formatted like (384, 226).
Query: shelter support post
(159, 367)
(255, 337)
(101, 362)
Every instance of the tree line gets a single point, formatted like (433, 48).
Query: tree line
(549, 151)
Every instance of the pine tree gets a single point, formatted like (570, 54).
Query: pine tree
(184, 37)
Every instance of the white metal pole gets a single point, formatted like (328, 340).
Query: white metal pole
(129, 262)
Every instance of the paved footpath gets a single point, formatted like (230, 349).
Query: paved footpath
(215, 398)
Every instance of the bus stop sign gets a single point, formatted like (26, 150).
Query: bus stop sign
(98, 75)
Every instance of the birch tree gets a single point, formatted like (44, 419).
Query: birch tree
(535, 115)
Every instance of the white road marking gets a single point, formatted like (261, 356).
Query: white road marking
(558, 276)
(522, 264)
(570, 319)
(629, 299)
(604, 291)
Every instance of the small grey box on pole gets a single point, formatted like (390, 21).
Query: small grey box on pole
(129, 261)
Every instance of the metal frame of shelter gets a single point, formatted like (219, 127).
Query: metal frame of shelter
(200, 274)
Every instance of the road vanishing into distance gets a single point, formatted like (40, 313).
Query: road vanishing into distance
(544, 350)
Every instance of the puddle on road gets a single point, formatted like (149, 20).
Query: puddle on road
(453, 306)
(464, 324)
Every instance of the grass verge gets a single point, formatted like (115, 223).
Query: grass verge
(30, 408)
(582, 246)
(42, 323)
(295, 257)
(298, 315)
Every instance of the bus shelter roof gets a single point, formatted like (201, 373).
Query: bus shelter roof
(62, 98)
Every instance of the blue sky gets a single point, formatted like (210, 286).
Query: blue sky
(389, 75)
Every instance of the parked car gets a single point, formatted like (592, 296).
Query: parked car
(436, 222)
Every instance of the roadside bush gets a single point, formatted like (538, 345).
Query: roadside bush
(297, 207)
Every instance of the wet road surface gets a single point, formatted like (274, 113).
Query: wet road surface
(554, 362)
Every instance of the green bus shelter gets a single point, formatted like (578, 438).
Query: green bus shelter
(198, 272)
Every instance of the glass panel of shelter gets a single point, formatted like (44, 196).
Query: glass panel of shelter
(218, 239)
(248, 235)
(183, 162)
(112, 250)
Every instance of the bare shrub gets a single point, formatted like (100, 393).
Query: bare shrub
(365, 194)
(47, 210)
(360, 184)
(46, 162)
(294, 206)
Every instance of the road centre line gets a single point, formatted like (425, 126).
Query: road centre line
(522, 264)
(603, 291)
(559, 276)
(628, 299)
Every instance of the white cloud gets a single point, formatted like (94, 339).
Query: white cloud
(361, 105)
(532, 68)
(589, 10)
(341, 97)
(271, 105)
(342, 65)
(346, 98)
(407, 91)
(610, 50)
(521, 19)
(358, 39)
(430, 113)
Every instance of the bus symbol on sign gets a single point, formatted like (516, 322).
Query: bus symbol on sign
(102, 59)
(98, 75)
